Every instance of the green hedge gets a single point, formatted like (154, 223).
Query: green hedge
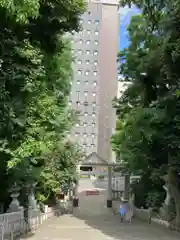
(101, 177)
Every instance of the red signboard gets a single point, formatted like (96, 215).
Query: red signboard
(92, 192)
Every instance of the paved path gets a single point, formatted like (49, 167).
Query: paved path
(93, 221)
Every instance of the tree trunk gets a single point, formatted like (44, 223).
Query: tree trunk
(175, 193)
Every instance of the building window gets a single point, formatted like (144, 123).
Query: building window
(93, 114)
(70, 103)
(95, 53)
(94, 104)
(96, 42)
(87, 73)
(85, 135)
(94, 94)
(95, 63)
(77, 94)
(78, 113)
(88, 32)
(85, 124)
(86, 82)
(85, 103)
(88, 42)
(85, 114)
(78, 82)
(95, 73)
(77, 125)
(96, 33)
(93, 124)
(87, 62)
(87, 52)
(78, 103)
(89, 13)
(85, 93)
(81, 41)
(93, 135)
(79, 62)
(76, 134)
(84, 145)
(96, 21)
(79, 72)
(95, 83)
(89, 21)
(79, 51)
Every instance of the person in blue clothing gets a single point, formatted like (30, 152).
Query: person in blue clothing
(122, 211)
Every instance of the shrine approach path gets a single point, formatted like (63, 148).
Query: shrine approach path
(93, 221)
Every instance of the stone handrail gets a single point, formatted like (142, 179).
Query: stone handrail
(7, 217)
(12, 224)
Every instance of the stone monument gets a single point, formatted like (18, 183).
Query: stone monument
(164, 210)
(31, 198)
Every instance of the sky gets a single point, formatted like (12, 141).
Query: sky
(125, 18)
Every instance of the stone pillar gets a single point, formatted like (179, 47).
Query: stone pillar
(15, 205)
(126, 186)
(109, 198)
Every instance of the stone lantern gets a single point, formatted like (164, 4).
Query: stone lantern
(15, 205)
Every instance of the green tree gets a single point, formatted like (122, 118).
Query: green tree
(35, 82)
(64, 12)
(60, 169)
(147, 135)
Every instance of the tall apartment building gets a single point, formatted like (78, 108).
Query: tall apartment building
(95, 76)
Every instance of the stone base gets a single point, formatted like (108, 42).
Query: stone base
(109, 203)
(14, 208)
(164, 213)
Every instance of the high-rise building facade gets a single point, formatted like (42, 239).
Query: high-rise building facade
(95, 76)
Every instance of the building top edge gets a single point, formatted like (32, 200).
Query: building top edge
(109, 2)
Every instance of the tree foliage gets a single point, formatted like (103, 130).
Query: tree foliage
(148, 135)
(35, 76)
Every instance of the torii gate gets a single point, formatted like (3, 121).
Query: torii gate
(94, 160)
